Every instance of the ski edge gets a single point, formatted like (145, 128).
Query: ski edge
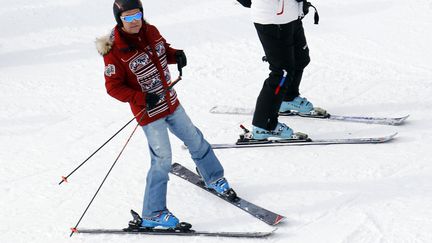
(257, 234)
(357, 140)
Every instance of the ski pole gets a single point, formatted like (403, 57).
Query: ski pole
(281, 82)
(64, 178)
(174, 82)
(74, 229)
(264, 59)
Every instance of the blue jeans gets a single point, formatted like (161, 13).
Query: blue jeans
(161, 157)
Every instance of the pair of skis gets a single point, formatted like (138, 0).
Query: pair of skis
(258, 212)
(245, 141)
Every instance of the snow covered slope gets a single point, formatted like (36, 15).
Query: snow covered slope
(368, 58)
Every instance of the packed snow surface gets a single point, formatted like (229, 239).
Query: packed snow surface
(368, 58)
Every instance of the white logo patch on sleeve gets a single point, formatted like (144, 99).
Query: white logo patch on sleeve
(109, 70)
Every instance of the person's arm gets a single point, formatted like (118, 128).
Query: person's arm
(174, 56)
(116, 85)
(170, 52)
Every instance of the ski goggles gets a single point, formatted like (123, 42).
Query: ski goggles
(130, 18)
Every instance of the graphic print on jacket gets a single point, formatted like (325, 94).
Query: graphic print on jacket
(148, 76)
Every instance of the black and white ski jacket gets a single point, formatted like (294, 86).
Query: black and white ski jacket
(276, 11)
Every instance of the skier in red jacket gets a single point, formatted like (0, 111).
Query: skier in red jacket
(136, 60)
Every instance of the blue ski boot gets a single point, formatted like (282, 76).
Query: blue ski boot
(222, 187)
(281, 131)
(164, 219)
(299, 104)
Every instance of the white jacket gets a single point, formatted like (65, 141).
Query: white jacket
(276, 11)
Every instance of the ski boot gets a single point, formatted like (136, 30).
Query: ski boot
(258, 135)
(164, 219)
(281, 131)
(222, 187)
(302, 107)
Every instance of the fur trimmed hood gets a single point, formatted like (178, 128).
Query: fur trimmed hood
(104, 43)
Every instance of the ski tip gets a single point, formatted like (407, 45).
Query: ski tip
(385, 139)
(402, 119)
(278, 219)
(390, 137)
(398, 121)
(266, 234)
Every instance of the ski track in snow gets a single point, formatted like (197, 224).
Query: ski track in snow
(368, 58)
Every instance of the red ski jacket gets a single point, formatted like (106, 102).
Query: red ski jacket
(137, 64)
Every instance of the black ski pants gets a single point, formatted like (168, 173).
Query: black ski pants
(286, 49)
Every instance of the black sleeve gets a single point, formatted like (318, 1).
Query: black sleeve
(245, 3)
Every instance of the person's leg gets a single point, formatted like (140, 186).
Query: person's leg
(302, 59)
(157, 177)
(276, 41)
(201, 152)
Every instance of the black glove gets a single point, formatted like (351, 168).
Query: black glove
(306, 6)
(151, 100)
(180, 59)
(246, 3)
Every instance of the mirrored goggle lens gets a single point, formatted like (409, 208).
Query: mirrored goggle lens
(130, 18)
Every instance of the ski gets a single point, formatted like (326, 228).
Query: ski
(303, 142)
(176, 232)
(361, 119)
(264, 215)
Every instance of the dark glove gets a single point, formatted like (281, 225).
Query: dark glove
(180, 59)
(306, 6)
(245, 3)
(151, 100)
